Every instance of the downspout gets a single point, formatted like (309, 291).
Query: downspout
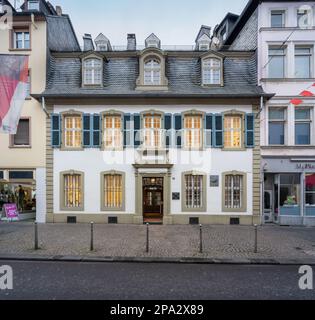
(262, 173)
(44, 107)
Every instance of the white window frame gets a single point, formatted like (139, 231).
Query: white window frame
(283, 12)
(191, 183)
(284, 121)
(150, 69)
(233, 129)
(152, 132)
(73, 130)
(15, 32)
(112, 133)
(194, 131)
(310, 55)
(209, 69)
(231, 189)
(34, 2)
(304, 121)
(284, 55)
(94, 69)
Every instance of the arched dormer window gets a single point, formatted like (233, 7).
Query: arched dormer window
(152, 72)
(92, 71)
(212, 71)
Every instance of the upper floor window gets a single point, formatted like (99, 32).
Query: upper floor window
(303, 126)
(277, 118)
(22, 136)
(113, 132)
(152, 72)
(233, 131)
(193, 131)
(73, 131)
(33, 5)
(276, 61)
(152, 131)
(277, 19)
(21, 39)
(303, 58)
(92, 71)
(211, 71)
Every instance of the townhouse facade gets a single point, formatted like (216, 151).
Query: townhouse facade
(23, 156)
(283, 34)
(152, 135)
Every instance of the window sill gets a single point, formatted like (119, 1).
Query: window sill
(20, 147)
(113, 209)
(287, 79)
(235, 149)
(242, 210)
(288, 147)
(68, 210)
(152, 88)
(20, 50)
(71, 149)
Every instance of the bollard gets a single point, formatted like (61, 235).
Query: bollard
(92, 237)
(200, 239)
(256, 238)
(147, 247)
(36, 236)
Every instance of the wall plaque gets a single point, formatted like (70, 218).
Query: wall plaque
(214, 181)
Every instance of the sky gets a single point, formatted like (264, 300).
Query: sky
(175, 22)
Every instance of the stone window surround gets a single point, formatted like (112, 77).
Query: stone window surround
(194, 113)
(112, 113)
(97, 56)
(244, 195)
(213, 55)
(123, 175)
(20, 26)
(159, 55)
(204, 191)
(11, 139)
(62, 187)
(242, 115)
(63, 115)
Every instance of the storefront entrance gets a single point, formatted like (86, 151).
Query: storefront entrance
(153, 200)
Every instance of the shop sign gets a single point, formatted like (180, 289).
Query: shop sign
(11, 211)
(305, 166)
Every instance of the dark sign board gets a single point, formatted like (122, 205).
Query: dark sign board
(214, 181)
(175, 196)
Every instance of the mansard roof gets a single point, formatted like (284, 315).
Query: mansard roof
(64, 79)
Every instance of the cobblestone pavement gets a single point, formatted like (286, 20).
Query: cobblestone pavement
(224, 242)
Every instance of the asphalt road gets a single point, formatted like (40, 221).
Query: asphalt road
(119, 281)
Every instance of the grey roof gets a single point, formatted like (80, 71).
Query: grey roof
(61, 35)
(183, 73)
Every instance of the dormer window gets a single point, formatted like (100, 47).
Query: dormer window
(33, 5)
(101, 47)
(212, 71)
(152, 72)
(92, 71)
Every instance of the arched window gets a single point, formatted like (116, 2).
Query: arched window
(92, 71)
(211, 71)
(152, 72)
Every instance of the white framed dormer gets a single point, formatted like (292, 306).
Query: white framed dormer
(212, 69)
(92, 70)
(102, 43)
(152, 41)
(152, 71)
(203, 43)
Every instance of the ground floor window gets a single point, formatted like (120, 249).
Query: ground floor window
(290, 191)
(194, 192)
(234, 191)
(112, 191)
(310, 194)
(72, 195)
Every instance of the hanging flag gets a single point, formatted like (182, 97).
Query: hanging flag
(296, 102)
(306, 93)
(13, 90)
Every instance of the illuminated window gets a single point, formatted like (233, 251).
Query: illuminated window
(113, 191)
(211, 71)
(73, 131)
(193, 191)
(233, 132)
(193, 131)
(92, 71)
(152, 131)
(152, 72)
(234, 191)
(112, 132)
(72, 191)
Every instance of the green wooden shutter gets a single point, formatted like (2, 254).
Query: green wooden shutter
(178, 130)
(250, 130)
(136, 130)
(218, 131)
(168, 129)
(127, 130)
(55, 130)
(208, 130)
(96, 139)
(87, 132)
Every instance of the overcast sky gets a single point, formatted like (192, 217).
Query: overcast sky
(173, 21)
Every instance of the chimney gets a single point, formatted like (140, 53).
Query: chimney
(59, 10)
(88, 44)
(131, 42)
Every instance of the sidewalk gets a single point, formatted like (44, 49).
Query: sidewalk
(221, 244)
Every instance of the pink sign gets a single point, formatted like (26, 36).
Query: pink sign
(11, 210)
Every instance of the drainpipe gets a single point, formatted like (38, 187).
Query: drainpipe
(44, 107)
(262, 173)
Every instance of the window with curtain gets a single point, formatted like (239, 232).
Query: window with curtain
(302, 126)
(152, 135)
(194, 191)
(233, 191)
(193, 131)
(22, 136)
(72, 191)
(211, 71)
(73, 131)
(113, 191)
(152, 72)
(92, 72)
(113, 132)
(232, 132)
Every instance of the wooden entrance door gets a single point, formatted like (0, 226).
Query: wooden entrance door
(153, 199)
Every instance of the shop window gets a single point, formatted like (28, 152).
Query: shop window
(72, 191)
(22, 136)
(277, 118)
(302, 126)
(1, 175)
(310, 194)
(25, 175)
(290, 190)
(113, 190)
